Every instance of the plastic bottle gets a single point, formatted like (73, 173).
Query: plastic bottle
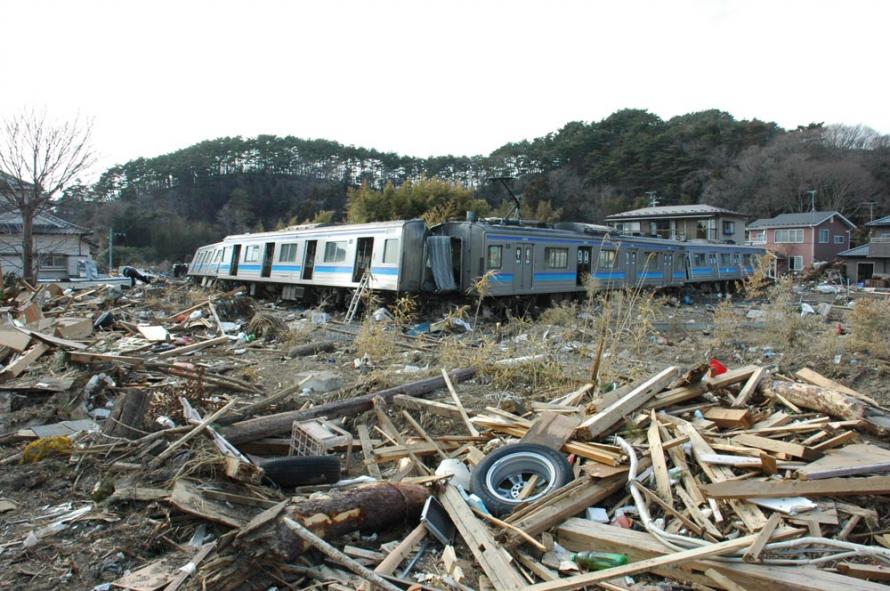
(598, 560)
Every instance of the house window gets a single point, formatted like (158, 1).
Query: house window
(795, 263)
(335, 252)
(52, 260)
(701, 230)
(495, 256)
(758, 237)
(288, 253)
(728, 228)
(823, 236)
(839, 239)
(391, 251)
(606, 259)
(252, 254)
(789, 236)
(557, 258)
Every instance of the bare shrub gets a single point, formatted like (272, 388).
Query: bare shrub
(869, 325)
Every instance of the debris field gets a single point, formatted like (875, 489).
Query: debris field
(165, 437)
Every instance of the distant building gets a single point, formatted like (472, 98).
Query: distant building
(871, 259)
(682, 222)
(61, 248)
(800, 239)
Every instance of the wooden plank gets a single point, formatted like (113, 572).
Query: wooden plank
(749, 388)
(669, 509)
(730, 418)
(194, 347)
(723, 581)
(659, 465)
(431, 406)
(387, 426)
(865, 571)
(778, 446)
(14, 339)
(836, 441)
(741, 489)
(733, 376)
(84, 357)
(422, 432)
(697, 515)
(642, 566)
(460, 407)
(15, 369)
(852, 460)
(578, 535)
(488, 553)
(604, 420)
(398, 554)
(752, 554)
(551, 430)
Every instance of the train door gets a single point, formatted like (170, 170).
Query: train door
(236, 256)
(267, 260)
(524, 267)
(583, 269)
(309, 259)
(363, 250)
(668, 267)
(630, 267)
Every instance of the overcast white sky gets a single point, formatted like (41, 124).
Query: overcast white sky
(428, 77)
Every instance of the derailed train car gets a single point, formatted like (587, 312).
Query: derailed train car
(312, 261)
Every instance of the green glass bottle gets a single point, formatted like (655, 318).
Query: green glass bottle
(598, 560)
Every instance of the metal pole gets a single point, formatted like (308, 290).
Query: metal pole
(110, 243)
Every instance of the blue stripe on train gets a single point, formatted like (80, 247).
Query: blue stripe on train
(333, 269)
(555, 276)
(702, 271)
(286, 267)
(502, 277)
(607, 275)
(384, 270)
(652, 275)
(244, 267)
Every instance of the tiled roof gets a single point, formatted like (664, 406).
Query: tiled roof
(884, 221)
(791, 220)
(859, 251)
(697, 209)
(44, 223)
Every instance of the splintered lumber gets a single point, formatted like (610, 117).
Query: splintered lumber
(749, 388)
(255, 407)
(865, 571)
(488, 553)
(431, 406)
(583, 580)
(337, 556)
(127, 414)
(258, 428)
(157, 461)
(391, 429)
(460, 407)
(84, 357)
(729, 418)
(778, 446)
(811, 377)
(368, 451)
(752, 554)
(14, 339)
(659, 464)
(607, 418)
(551, 430)
(14, 369)
(851, 460)
(194, 347)
(578, 535)
(771, 489)
(733, 376)
(408, 543)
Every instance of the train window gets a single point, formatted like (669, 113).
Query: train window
(724, 259)
(712, 258)
(391, 251)
(288, 253)
(495, 256)
(252, 253)
(606, 259)
(699, 259)
(735, 258)
(518, 255)
(335, 252)
(557, 258)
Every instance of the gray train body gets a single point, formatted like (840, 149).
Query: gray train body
(518, 259)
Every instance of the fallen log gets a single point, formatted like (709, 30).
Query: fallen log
(312, 349)
(253, 429)
(833, 403)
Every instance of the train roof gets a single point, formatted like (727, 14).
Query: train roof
(319, 229)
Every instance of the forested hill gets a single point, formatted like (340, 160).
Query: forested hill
(167, 205)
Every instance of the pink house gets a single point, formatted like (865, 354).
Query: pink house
(800, 239)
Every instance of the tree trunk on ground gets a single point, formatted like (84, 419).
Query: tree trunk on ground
(127, 415)
(253, 429)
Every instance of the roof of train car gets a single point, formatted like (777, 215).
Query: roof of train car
(318, 229)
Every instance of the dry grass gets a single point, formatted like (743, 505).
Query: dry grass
(377, 340)
(562, 314)
(266, 324)
(727, 324)
(869, 326)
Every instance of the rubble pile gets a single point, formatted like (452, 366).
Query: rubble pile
(709, 478)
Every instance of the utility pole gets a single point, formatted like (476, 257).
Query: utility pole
(652, 199)
(871, 209)
(812, 194)
(111, 235)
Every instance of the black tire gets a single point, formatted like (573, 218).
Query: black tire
(292, 471)
(500, 477)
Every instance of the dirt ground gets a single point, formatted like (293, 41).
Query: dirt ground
(639, 333)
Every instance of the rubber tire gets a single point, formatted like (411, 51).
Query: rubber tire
(496, 504)
(291, 471)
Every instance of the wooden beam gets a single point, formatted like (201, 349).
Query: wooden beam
(865, 571)
(778, 446)
(723, 581)
(368, 451)
(604, 420)
(752, 554)
(659, 465)
(400, 552)
(730, 418)
(460, 407)
(850, 487)
(431, 406)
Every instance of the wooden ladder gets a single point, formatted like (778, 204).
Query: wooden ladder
(357, 296)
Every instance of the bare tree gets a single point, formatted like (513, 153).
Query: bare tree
(40, 157)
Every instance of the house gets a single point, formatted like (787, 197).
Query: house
(800, 239)
(682, 222)
(872, 259)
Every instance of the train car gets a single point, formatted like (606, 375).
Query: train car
(326, 257)
(204, 263)
(711, 262)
